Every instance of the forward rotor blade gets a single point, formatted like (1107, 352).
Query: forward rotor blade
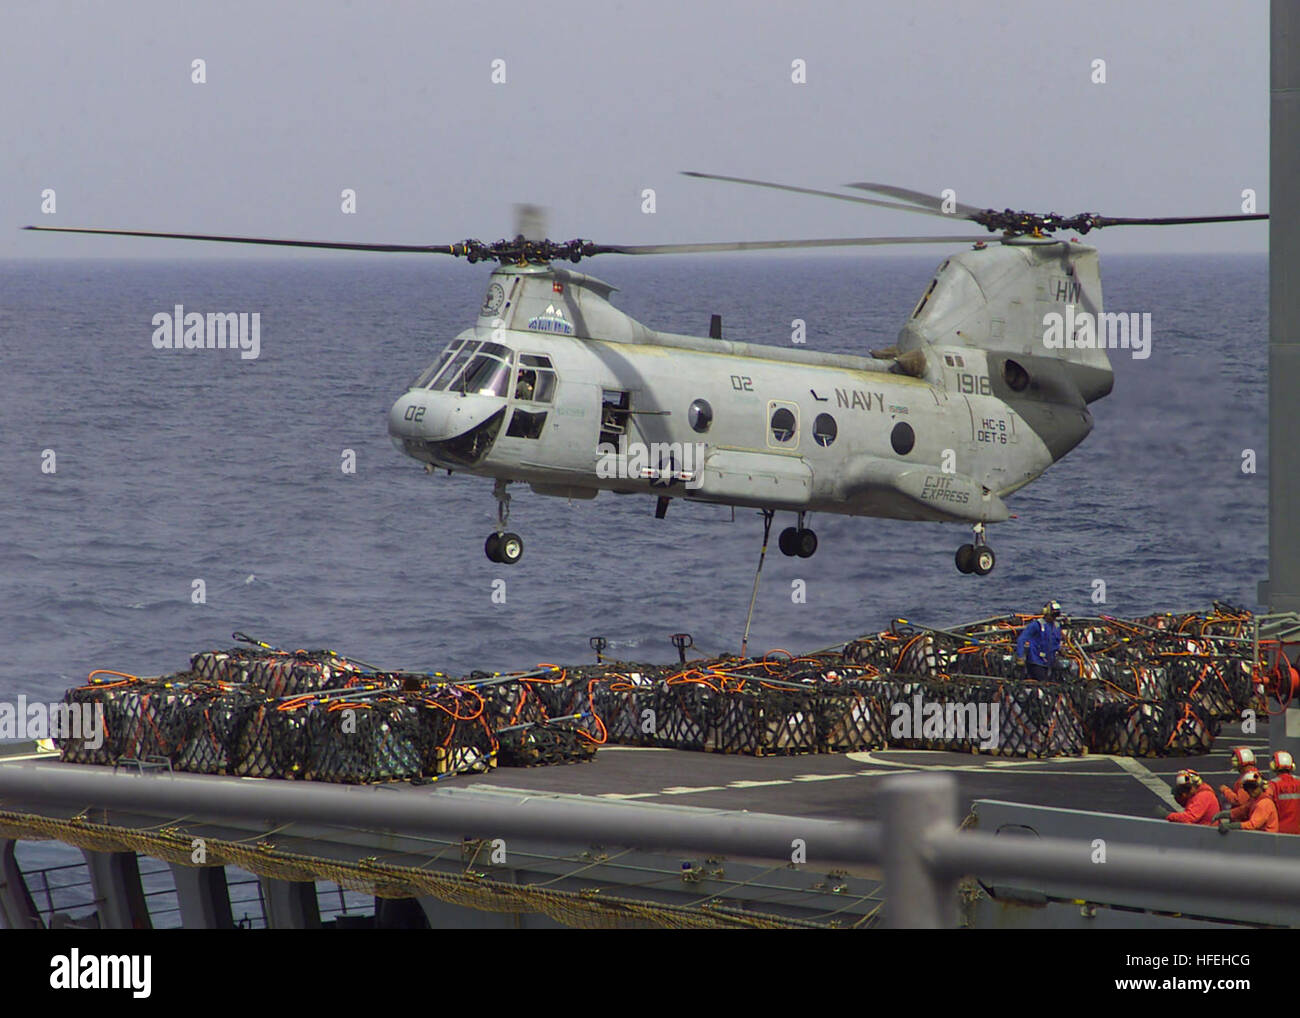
(926, 201)
(333, 245)
(896, 206)
(761, 245)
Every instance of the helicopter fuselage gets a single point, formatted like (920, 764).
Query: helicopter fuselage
(534, 394)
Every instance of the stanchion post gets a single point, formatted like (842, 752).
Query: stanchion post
(912, 806)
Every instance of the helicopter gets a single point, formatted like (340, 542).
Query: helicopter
(556, 388)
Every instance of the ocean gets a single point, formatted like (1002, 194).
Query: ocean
(177, 466)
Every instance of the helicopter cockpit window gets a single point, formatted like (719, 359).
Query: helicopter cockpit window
(536, 380)
(425, 376)
(458, 362)
(431, 372)
(487, 374)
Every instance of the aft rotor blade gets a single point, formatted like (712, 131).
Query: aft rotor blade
(333, 245)
(761, 245)
(1100, 221)
(926, 201)
(896, 206)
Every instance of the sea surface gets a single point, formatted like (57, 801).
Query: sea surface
(177, 466)
(173, 466)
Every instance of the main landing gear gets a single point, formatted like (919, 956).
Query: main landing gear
(797, 541)
(977, 558)
(501, 546)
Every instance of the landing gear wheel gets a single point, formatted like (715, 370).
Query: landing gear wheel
(966, 558)
(805, 543)
(511, 549)
(788, 542)
(984, 560)
(492, 547)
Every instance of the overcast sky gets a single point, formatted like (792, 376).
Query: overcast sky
(602, 100)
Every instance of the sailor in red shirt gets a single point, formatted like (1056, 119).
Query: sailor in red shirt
(1259, 813)
(1284, 790)
(1197, 799)
(1243, 759)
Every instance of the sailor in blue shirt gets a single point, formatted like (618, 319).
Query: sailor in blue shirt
(1038, 643)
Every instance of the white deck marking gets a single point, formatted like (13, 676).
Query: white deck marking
(1139, 771)
(824, 777)
(636, 749)
(997, 764)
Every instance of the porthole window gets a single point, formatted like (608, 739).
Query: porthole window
(824, 429)
(902, 438)
(1016, 376)
(782, 424)
(700, 415)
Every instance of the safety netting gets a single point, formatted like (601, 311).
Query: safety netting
(1154, 686)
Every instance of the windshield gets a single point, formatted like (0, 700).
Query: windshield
(485, 376)
(428, 374)
(461, 358)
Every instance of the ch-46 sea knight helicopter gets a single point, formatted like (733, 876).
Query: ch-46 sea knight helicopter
(556, 388)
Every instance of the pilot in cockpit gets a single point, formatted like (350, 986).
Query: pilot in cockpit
(526, 384)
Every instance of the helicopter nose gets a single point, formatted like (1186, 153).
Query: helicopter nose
(436, 417)
(406, 416)
(417, 415)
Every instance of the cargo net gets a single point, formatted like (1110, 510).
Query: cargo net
(289, 716)
(1127, 727)
(545, 720)
(280, 673)
(767, 707)
(1154, 686)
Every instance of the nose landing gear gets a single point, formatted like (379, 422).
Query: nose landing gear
(797, 541)
(977, 558)
(501, 546)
